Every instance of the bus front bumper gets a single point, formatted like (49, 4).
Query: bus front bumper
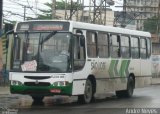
(41, 90)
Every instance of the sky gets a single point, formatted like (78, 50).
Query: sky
(14, 9)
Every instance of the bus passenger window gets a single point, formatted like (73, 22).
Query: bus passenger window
(143, 48)
(103, 48)
(148, 48)
(134, 47)
(91, 44)
(79, 52)
(125, 51)
(115, 46)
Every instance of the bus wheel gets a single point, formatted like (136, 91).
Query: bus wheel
(130, 87)
(129, 91)
(88, 93)
(37, 99)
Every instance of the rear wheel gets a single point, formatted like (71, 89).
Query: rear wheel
(129, 91)
(88, 93)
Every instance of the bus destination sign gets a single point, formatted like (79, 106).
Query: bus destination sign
(49, 27)
(43, 26)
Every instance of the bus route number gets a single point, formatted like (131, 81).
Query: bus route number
(98, 65)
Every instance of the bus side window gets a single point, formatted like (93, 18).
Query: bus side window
(103, 45)
(91, 44)
(125, 46)
(135, 48)
(115, 46)
(143, 48)
(79, 52)
(148, 47)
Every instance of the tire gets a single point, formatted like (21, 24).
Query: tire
(87, 97)
(37, 99)
(129, 91)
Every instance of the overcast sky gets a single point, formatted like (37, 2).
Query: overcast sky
(14, 10)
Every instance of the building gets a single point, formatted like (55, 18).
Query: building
(87, 16)
(143, 9)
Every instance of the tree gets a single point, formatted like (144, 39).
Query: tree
(150, 25)
(60, 5)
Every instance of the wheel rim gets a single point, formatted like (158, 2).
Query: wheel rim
(88, 91)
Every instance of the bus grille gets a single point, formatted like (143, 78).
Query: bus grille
(37, 84)
(37, 77)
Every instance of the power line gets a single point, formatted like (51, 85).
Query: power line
(32, 8)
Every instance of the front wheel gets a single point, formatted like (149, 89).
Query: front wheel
(88, 93)
(37, 99)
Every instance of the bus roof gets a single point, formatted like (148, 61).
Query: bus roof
(110, 29)
(96, 27)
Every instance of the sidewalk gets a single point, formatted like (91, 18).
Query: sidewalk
(155, 81)
(4, 90)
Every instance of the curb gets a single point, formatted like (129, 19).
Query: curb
(4, 90)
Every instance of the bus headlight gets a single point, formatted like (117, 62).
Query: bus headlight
(61, 83)
(14, 82)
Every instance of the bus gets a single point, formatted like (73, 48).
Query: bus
(59, 57)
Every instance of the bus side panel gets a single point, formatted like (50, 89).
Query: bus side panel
(78, 87)
(135, 69)
(146, 72)
(79, 79)
(111, 78)
(141, 70)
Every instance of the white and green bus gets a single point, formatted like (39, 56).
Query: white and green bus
(77, 59)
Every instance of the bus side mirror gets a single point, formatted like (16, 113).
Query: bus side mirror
(8, 36)
(8, 27)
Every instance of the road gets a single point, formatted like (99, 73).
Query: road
(145, 101)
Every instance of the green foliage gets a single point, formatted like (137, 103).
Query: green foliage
(150, 25)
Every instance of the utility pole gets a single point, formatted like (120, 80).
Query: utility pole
(158, 22)
(1, 13)
(53, 9)
(25, 8)
(96, 11)
(24, 17)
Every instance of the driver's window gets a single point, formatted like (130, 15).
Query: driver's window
(57, 44)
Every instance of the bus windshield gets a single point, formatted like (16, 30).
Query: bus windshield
(42, 51)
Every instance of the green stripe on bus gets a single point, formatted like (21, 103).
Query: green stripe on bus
(124, 70)
(127, 72)
(113, 68)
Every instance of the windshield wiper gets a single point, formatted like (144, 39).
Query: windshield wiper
(48, 37)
